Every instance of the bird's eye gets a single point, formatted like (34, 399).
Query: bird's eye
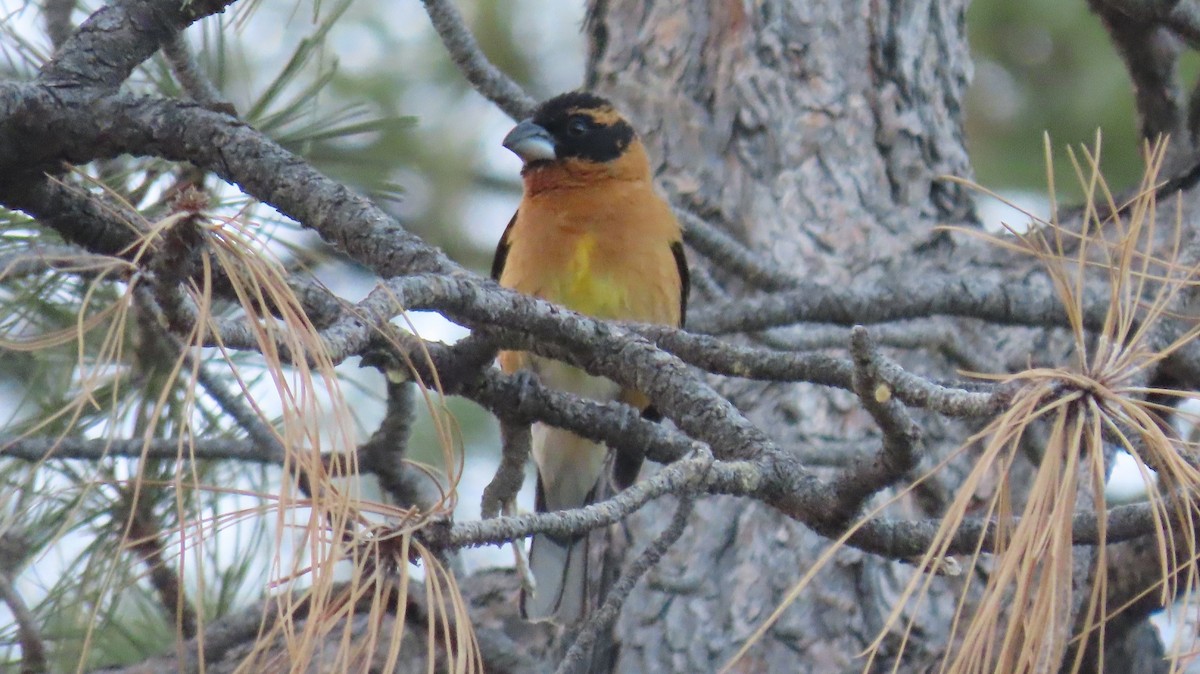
(578, 126)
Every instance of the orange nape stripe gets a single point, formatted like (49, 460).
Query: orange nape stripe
(604, 116)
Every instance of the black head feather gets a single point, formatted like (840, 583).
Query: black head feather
(584, 126)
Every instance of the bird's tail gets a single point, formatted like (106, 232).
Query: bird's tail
(560, 569)
(571, 472)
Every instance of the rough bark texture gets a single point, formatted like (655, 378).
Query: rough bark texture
(817, 132)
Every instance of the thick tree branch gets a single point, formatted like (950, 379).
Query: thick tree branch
(39, 127)
(113, 41)
(99, 225)
(998, 298)
(1151, 55)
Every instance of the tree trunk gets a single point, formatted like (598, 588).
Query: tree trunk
(816, 133)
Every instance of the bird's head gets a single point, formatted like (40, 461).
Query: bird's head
(578, 135)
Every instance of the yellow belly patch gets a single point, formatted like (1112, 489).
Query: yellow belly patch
(586, 291)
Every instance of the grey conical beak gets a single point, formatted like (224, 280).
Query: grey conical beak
(530, 142)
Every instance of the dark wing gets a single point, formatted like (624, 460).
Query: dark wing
(502, 250)
(651, 413)
(685, 281)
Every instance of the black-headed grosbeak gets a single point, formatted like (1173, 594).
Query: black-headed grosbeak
(592, 234)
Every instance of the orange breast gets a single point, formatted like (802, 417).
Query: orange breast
(602, 250)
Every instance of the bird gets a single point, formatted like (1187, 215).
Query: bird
(593, 234)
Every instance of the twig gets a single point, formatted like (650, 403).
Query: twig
(901, 437)
(933, 335)
(383, 454)
(704, 286)
(1151, 56)
(952, 401)
(479, 71)
(33, 649)
(719, 357)
(673, 479)
(231, 403)
(143, 538)
(828, 451)
(187, 72)
(182, 316)
(57, 16)
(607, 615)
(510, 474)
(37, 449)
(730, 255)
(235, 406)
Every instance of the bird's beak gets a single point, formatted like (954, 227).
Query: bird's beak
(530, 142)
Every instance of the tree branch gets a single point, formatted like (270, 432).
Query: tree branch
(1026, 300)
(191, 79)
(39, 127)
(143, 537)
(38, 449)
(115, 39)
(465, 52)
(901, 437)
(56, 15)
(604, 618)
(515, 446)
(383, 454)
(730, 255)
(33, 649)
